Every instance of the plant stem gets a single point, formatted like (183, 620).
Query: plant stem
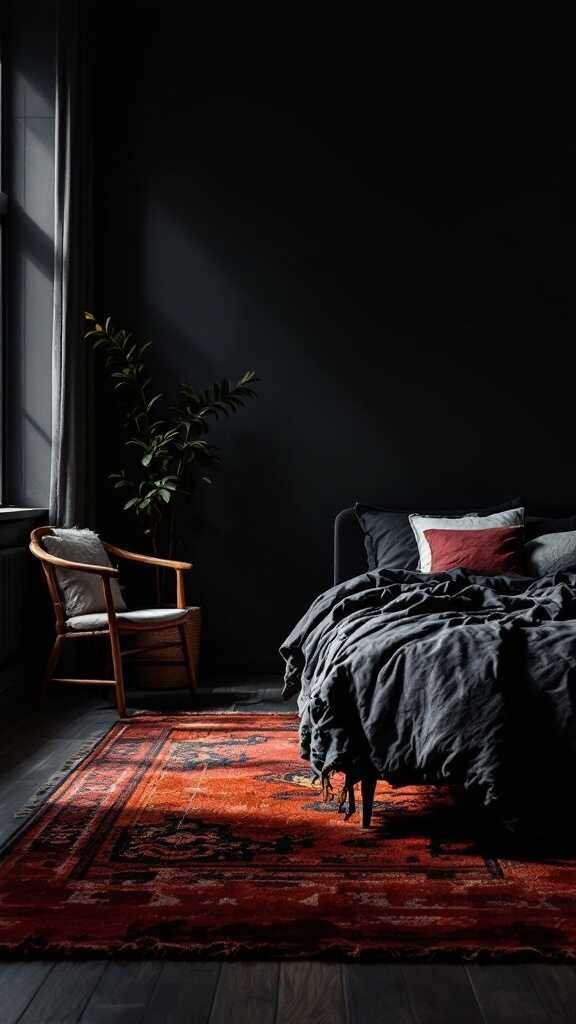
(154, 536)
(171, 528)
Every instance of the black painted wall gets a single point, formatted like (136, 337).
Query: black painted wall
(398, 274)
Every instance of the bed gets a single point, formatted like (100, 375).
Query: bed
(442, 678)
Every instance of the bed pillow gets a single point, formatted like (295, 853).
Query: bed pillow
(536, 525)
(82, 592)
(493, 552)
(388, 536)
(551, 552)
(420, 524)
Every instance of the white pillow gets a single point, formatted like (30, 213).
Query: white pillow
(512, 517)
(82, 592)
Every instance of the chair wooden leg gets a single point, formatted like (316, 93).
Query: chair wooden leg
(368, 786)
(51, 665)
(188, 659)
(118, 671)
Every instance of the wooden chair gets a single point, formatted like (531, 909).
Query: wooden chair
(112, 623)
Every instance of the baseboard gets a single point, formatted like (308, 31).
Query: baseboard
(256, 665)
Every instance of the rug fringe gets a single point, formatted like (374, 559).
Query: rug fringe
(58, 776)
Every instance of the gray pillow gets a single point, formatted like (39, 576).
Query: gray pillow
(82, 592)
(388, 538)
(551, 552)
(536, 525)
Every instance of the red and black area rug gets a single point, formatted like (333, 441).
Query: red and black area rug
(203, 836)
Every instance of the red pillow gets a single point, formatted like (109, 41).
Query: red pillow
(493, 552)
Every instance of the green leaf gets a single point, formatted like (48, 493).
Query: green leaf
(248, 377)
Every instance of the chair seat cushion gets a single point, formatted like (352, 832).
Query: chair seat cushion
(140, 617)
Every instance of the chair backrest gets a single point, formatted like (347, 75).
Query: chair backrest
(78, 563)
(49, 573)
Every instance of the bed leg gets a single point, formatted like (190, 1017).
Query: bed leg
(368, 786)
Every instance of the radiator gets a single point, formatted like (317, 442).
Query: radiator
(16, 583)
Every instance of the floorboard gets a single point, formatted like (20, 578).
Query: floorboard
(246, 994)
(55, 719)
(556, 986)
(442, 994)
(311, 993)
(184, 994)
(64, 993)
(508, 995)
(376, 992)
(18, 986)
(122, 993)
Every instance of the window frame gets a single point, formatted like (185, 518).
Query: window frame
(3, 219)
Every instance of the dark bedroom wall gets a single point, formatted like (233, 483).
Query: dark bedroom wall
(398, 275)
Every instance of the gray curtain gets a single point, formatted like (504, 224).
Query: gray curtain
(72, 467)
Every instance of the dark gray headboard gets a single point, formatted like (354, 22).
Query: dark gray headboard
(349, 552)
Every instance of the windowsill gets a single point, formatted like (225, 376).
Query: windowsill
(9, 513)
(16, 523)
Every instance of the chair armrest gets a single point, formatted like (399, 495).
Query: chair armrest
(133, 556)
(63, 563)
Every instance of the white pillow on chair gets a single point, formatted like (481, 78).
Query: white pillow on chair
(82, 592)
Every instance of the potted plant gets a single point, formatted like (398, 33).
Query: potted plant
(166, 450)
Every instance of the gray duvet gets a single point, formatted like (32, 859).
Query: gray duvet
(452, 677)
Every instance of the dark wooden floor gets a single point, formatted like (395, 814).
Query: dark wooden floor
(34, 744)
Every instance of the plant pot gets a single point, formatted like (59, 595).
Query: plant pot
(165, 669)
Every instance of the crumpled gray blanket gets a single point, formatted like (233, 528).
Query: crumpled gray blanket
(443, 678)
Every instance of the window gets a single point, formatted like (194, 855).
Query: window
(28, 250)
